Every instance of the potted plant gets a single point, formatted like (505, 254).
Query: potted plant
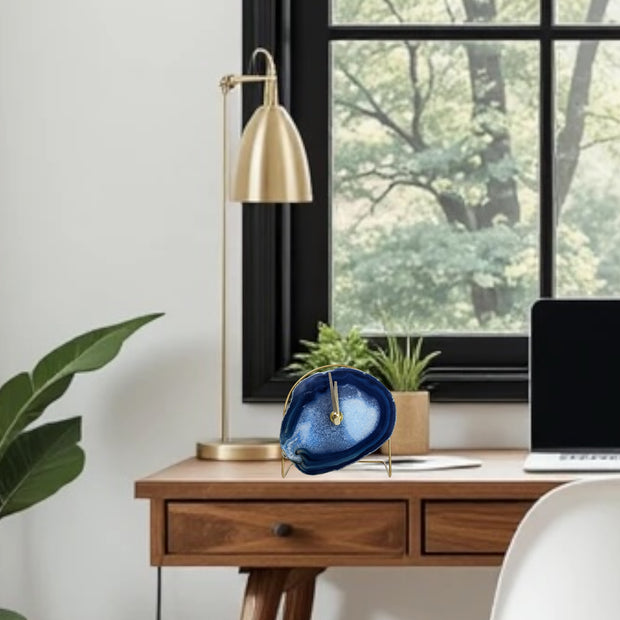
(37, 462)
(404, 373)
(331, 347)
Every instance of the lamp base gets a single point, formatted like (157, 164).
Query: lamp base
(246, 449)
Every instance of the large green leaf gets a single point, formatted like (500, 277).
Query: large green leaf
(6, 614)
(38, 463)
(24, 397)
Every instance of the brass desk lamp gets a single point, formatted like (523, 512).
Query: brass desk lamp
(272, 168)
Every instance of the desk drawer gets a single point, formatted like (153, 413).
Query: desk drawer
(366, 528)
(470, 527)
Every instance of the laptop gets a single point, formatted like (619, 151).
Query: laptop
(575, 385)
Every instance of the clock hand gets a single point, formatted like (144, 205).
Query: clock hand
(337, 400)
(331, 391)
(336, 416)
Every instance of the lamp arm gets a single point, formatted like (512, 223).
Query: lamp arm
(270, 79)
(228, 82)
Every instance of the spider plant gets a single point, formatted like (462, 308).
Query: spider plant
(403, 370)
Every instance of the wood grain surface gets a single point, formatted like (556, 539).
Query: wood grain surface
(462, 527)
(284, 532)
(313, 527)
(209, 513)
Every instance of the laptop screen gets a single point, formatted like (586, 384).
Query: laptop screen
(575, 374)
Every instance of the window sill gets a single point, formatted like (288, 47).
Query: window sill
(481, 385)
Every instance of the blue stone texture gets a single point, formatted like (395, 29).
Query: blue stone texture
(309, 438)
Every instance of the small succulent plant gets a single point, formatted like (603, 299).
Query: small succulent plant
(402, 370)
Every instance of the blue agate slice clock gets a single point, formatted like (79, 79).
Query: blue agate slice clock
(335, 417)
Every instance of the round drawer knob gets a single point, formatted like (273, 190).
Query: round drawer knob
(281, 529)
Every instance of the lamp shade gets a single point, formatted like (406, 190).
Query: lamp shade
(272, 164)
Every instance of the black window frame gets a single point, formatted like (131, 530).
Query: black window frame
(286, 247)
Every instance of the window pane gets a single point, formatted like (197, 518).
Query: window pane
(434, 11)
(587, 165)
(588, 11)
(434, 185)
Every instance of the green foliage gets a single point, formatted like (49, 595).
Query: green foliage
(426, 270)
(5, 614)
(589, 237)
(36, 463)
(403, 370)
(407, 210)
(435, 173)
(331, 347)
(424, 11)
(39, 462)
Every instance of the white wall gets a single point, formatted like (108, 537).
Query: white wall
(109, 207)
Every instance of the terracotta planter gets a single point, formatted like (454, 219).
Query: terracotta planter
(411, 434)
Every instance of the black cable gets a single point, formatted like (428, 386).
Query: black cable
(158, 612)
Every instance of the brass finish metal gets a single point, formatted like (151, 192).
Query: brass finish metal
(333, 385)
(273, 167)
(284, 459)
(251, 449)
(335, 416)
(272, 164)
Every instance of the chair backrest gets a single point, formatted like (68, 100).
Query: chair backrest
(564, 560)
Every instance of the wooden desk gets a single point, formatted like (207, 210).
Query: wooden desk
(286, 531)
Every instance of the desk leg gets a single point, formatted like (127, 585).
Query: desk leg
(300, 593)
(265, 587)
(263, 592)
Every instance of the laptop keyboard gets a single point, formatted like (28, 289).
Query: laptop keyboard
(572, 461)
(581, 456)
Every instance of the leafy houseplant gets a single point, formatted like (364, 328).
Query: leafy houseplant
(404, 373)
(35, 463)
(331, 347)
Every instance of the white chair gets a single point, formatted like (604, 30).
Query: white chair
(564, 560)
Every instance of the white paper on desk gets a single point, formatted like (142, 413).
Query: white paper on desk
(419, 463)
